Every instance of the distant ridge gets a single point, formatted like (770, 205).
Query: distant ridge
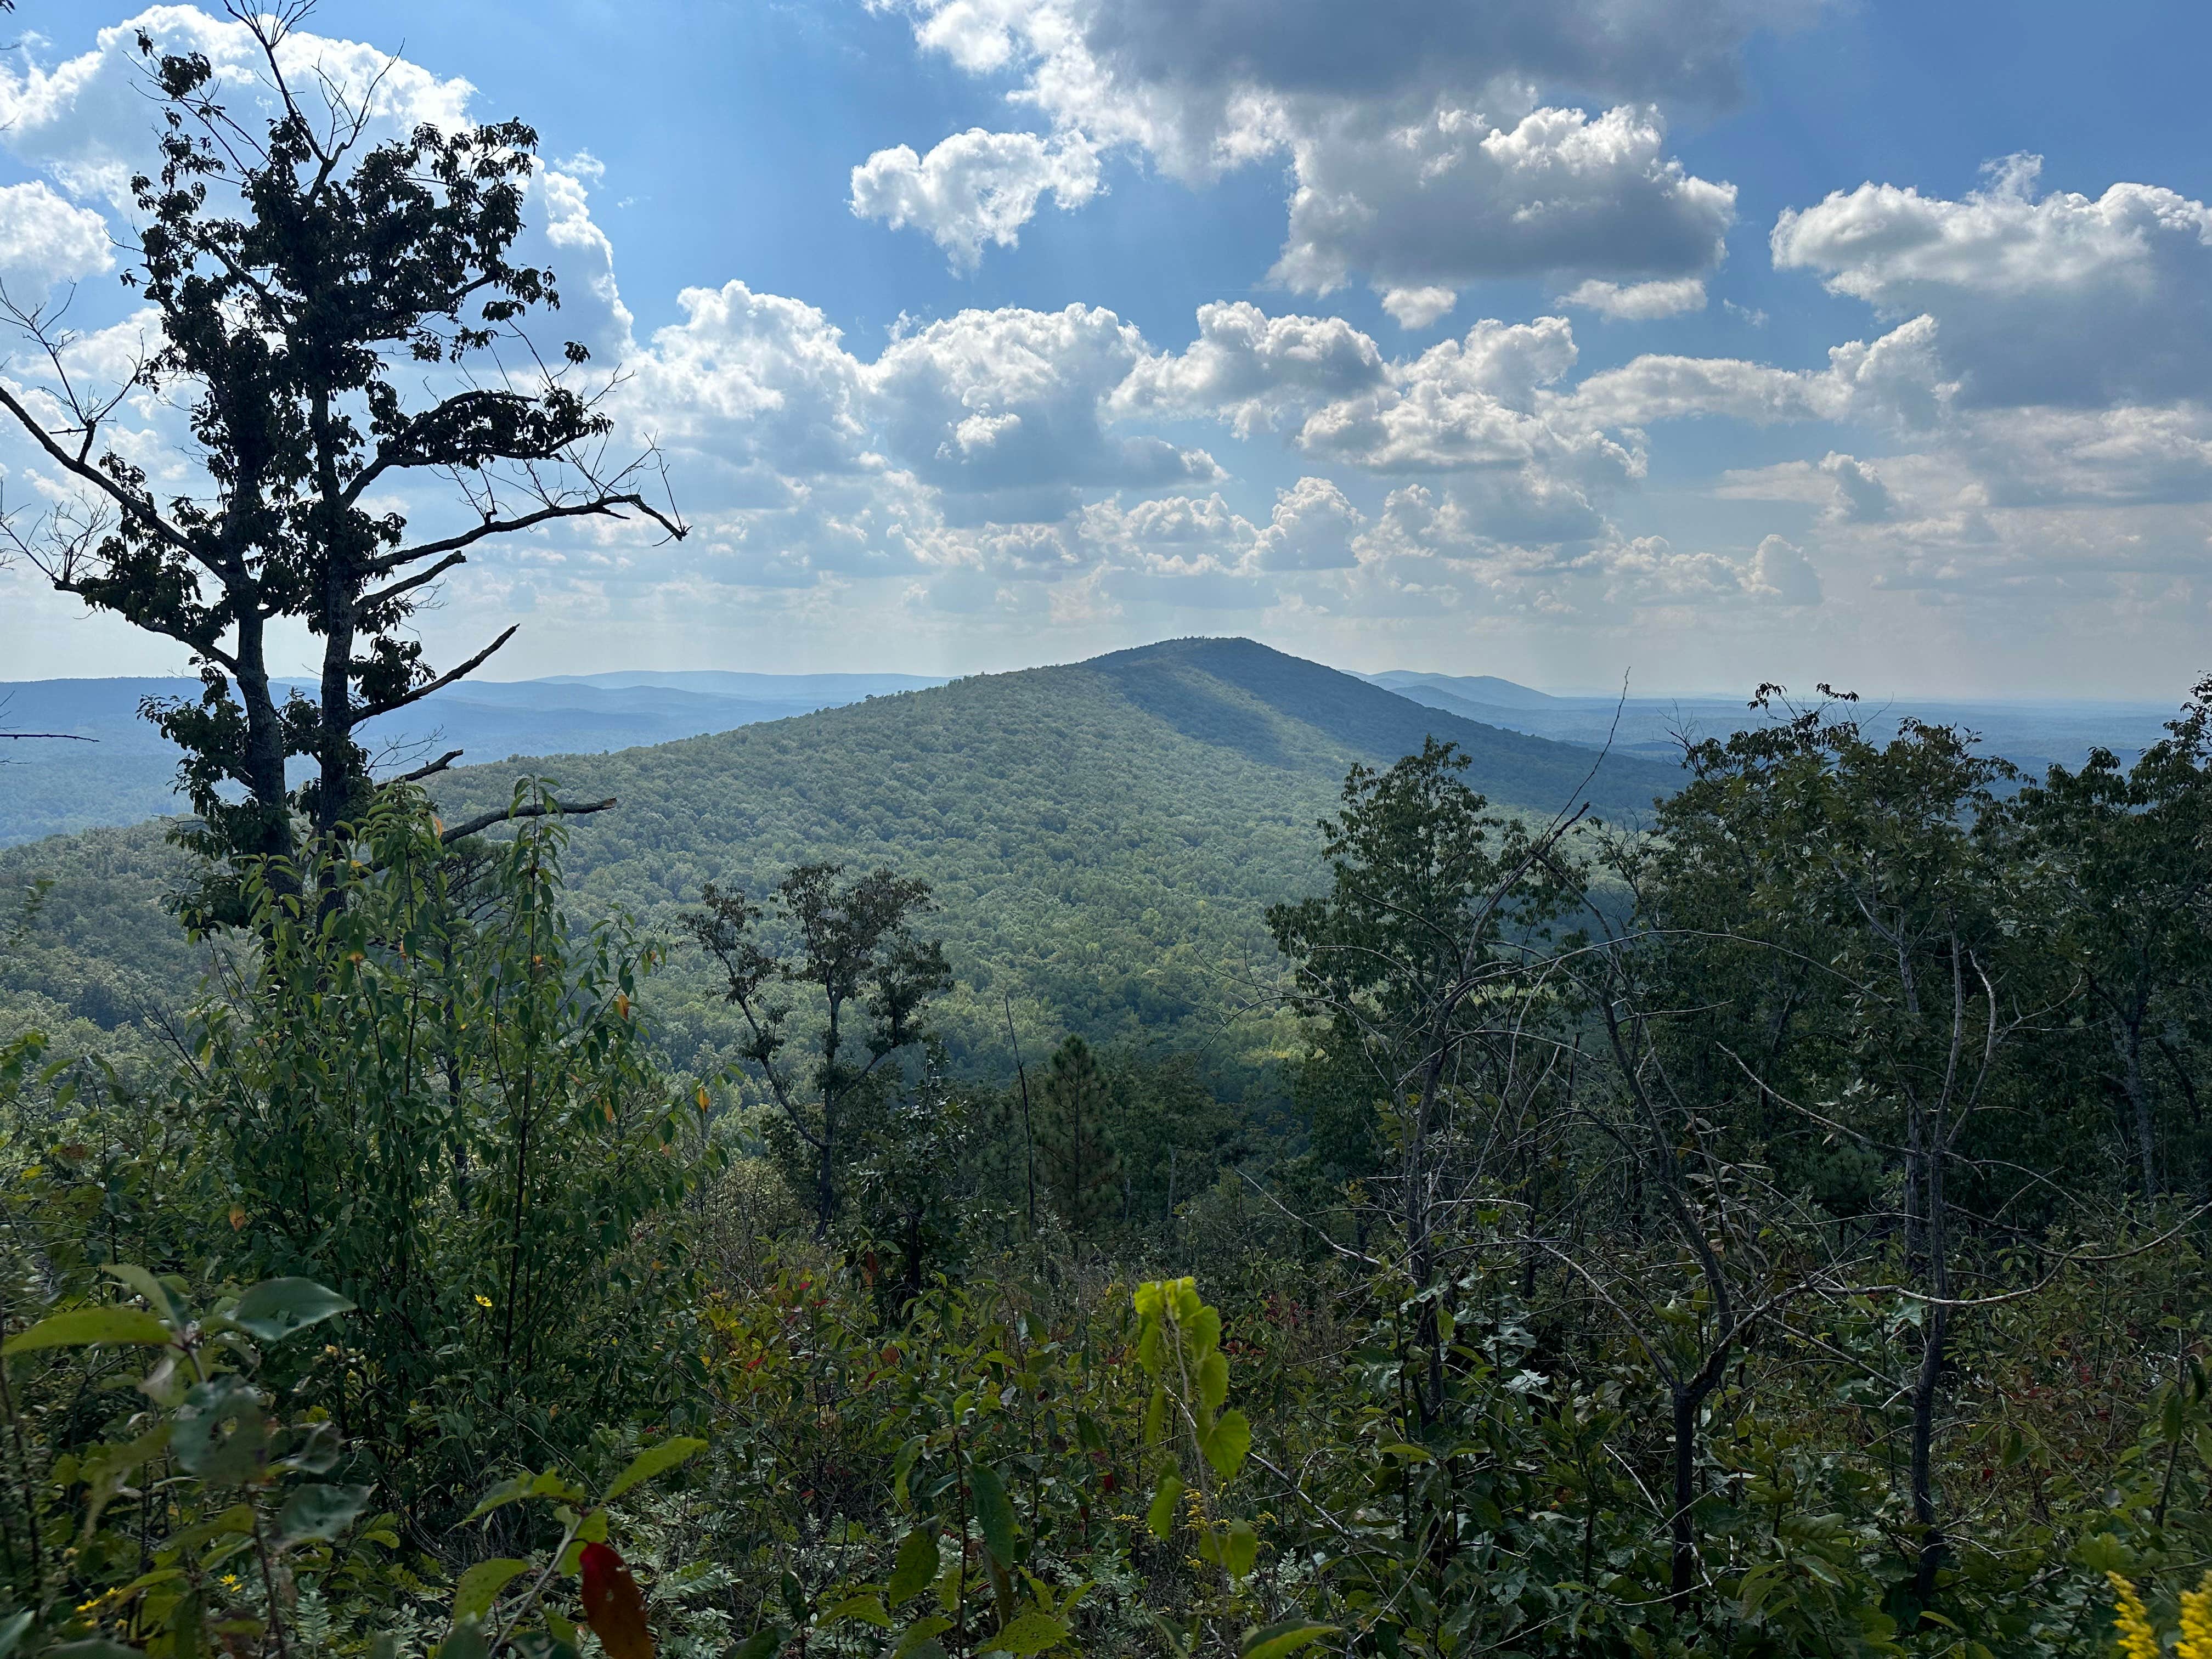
(1481, 688)
(822, 688)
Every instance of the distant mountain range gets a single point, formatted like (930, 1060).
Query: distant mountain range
(2034, 735)
(128, 773)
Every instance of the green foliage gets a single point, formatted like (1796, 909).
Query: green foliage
(1764, 1269)
(1078, 1165)
(434, 1095)
(852, 945)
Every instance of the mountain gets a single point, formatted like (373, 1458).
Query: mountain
(1103, 837)
(127, 772)
(1486, 691)
(824, 690)
(2032, 734)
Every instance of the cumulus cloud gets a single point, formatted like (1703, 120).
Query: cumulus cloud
(1637, 301)
(44, 240)
(1477, 402)
(1781, 573)
(1312, 528)
(1898, 376)
(2058, 299)
(1861, 496)
(1455, 199)
(1252, 370)
(86, 122)
(974, 187)
(1006, 411)
(1426, 155)
(1417, 307)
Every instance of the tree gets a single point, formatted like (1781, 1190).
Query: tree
(853, 943)
(1079, 1163)
(2127, 854)
(299, 273)
(1833, 919)
(1424, 962)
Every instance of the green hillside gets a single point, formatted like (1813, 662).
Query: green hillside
(1103, 837)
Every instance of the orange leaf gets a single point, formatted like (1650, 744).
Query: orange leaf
(614, 1606)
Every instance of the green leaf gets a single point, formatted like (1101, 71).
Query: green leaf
(279, 1308)
(1033, 1632)
(1160, 1516)
(1279, 1640)
(467, 1642)
(761, 1644)
(320, 1512)
(921, 1636)
(1239, 1545)
(507, 1492)
(916, 1570)
(221, 1457)
(158, 1297)
(80, 1327)
(94, 1647)
(11, 1632)
(652, 1461)
(1213, 1380)
(480, 1587)
(994, 1512)
(1230, 1443)
(868, 1609)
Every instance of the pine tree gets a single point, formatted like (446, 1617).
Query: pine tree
(1080, 1168)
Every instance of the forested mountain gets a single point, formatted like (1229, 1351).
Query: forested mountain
(1101, 836)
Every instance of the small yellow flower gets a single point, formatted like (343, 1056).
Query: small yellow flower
(483, 1301)
(230, 1581)
(2196, 1622)
(2137, 1640)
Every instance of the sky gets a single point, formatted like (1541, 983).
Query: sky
(1696, 342)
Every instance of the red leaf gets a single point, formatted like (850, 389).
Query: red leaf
(614, 1606)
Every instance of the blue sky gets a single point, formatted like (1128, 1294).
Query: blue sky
(1700, 341)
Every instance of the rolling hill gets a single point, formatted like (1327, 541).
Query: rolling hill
(1103, 837)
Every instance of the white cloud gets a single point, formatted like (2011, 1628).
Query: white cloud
(974, 187)
(1781, 573)
(44, 240)
(1252, 370)
(941, 398)
(1455, 199)
(1477, 402)
(1637, 301)
(1898, 377)
(1861, 496)
(1425, 154)
(1417, 307)
(86, 122)
(752, 392)
(1311, 529)
(2060, 298)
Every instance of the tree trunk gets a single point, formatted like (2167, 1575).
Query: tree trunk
(1682, 1526)
(1928, 1379)
(2139, 1099)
